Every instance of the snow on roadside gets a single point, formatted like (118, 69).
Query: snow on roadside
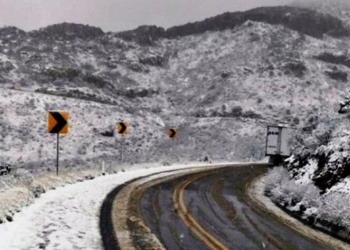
(256, 193)
(68, 217)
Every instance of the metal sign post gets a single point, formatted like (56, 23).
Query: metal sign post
(58, 152)
(122, 128)
(121, 149)
(57, 123)
(173, 134)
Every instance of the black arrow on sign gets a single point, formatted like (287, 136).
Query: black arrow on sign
(61, 122)
(123, 127)
(172, 133)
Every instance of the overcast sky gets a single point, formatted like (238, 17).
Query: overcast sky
(118, 15)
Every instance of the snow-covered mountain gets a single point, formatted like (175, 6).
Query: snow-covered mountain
(220, 81)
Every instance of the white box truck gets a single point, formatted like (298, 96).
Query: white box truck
(278, 141)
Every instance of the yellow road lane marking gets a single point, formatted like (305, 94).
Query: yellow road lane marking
(189, 220)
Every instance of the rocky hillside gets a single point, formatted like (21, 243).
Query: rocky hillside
(220, 83)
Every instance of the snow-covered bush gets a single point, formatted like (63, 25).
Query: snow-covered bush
(335, 208)
(311, 197)
(274, 178)
(314, 181)
(287, 192)
(293, 192)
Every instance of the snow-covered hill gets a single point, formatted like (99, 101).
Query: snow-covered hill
(220, 81)
(220, 86)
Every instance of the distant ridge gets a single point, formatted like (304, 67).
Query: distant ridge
(306, 21)
(303, 20)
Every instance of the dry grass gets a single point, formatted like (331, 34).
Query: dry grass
(19, 191)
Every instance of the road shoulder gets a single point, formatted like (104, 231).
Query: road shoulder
(255, 192)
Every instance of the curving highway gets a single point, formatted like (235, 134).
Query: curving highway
(211, 210)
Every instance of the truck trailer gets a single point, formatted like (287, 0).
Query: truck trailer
(278, 143)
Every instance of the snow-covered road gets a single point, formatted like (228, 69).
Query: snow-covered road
(66, 218)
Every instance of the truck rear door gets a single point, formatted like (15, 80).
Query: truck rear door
(272, 142)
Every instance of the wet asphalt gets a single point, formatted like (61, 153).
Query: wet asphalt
(249, 229)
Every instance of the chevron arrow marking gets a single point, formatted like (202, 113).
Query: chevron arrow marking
(172, 133)
(122, 128)
(58, 122)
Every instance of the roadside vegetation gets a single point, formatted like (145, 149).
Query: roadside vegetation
(314, 183)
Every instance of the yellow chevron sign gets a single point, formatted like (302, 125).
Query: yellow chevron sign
(123, 128)
(172, 133)
(57, 122)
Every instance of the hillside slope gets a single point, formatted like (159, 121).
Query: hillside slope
(220, 88)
